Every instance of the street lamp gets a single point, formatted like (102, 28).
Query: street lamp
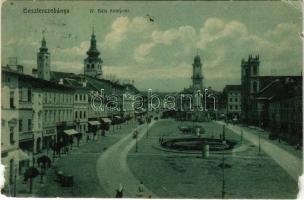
(223, 171)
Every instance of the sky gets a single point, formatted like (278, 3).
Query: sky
(159, 54)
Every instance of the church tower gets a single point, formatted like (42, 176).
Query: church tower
(92, 64)
(43, 62)
(197, 78)
(197, 82)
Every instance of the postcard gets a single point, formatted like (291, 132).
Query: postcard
(151, 99)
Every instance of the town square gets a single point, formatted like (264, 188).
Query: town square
(151, 99)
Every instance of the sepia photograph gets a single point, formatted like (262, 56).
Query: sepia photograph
(152, 99)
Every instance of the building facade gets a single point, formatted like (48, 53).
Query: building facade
(232, 95)
(9, 129)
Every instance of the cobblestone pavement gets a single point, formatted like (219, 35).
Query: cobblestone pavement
(180, 175)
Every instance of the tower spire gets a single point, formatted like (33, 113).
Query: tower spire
(93, 31)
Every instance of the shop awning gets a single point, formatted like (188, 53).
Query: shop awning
(70, 132)
(23, 155)
(106, 120)
(94, 123)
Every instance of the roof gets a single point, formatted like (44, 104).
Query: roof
(281, 89)
(36, 82)
(232, 88)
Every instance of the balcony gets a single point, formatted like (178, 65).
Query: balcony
(26, 136)
(25, 105)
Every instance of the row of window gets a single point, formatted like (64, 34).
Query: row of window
(236, 107)
(21, 125)
(81, 97)
(235, 100)
(57, 115)
(25, 94)
(82, 115)
(92, 66)
(51, 97)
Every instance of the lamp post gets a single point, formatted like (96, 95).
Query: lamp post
(223, 171)
(259, 142)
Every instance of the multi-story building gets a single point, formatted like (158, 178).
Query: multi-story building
(9, 128)
(232, 95)
(280, 108)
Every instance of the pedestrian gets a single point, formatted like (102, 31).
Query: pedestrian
(140, 189)
(119, 191)
(279, 137)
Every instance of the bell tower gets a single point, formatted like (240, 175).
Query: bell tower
(92, 64)
(43, 61)
(197, 78)
(197, 82)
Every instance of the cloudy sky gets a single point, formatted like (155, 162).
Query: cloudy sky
(159, 54)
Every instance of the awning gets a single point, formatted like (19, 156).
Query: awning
(106, 120)
(117, 117)
(23, 155)
(70, 132)
(94, 123)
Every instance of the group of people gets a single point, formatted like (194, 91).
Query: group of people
(140, 191)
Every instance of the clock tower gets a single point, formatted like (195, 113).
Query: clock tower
(43, 62)
(92, 64)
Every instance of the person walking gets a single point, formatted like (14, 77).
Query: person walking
(140, 189)
(119, 191)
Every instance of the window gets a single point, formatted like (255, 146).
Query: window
(29, 95)
(29, 124)
(50, 116)
(80, 97)
(20, 125)
(12, 99)
(230, 107)
(45, 115)
(235, 99)
(230, 99)
(255, 70)
(254, 87)
(76, 97)
(84, 114)
(92, 66)
(12, 135)
(76, 116)
(236, 107)
(80, 114)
